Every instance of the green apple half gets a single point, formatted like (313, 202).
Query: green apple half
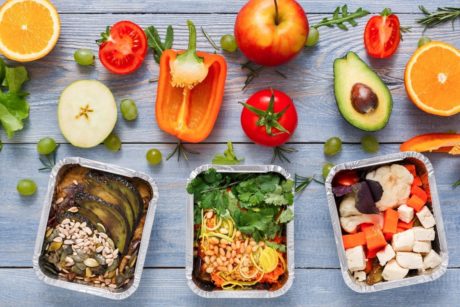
(87, 113)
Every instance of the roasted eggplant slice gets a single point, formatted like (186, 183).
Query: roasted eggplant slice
(122, 186)
(110, 216)
(113, 197)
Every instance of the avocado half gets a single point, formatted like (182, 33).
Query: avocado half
(351, 70)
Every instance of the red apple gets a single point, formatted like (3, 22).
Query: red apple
(271, 32)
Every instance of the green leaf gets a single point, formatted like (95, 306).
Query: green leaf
(169, 38)
(340, 16)
(274, 245)
(2, 70)
(286, 216)
(13, 110)
(154, 41)
(456, 184)
(15, 78)
(228, 158)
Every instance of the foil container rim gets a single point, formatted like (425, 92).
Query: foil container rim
(146, 232)
(290, 248)
(440, 230)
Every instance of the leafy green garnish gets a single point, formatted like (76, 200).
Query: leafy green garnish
(1, 145)
(154, 41)
(256, 202)
(340, 16)
(440, 16)
(228, 158)
(456, 184)
(13, 105)
(279, 247)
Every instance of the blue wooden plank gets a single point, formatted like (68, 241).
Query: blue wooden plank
(309, 82)
(315, 246)
(167, 287)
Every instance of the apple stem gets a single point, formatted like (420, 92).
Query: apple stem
(276, 13)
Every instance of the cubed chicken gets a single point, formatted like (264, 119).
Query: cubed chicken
(406, 213)
(403, 241)
(426, 218)
(356, 259)
(386, 255)
(393, 271)
(411, 261)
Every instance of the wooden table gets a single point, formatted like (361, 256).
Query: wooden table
(309, 82)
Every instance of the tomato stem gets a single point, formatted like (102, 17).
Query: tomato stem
(277, 21)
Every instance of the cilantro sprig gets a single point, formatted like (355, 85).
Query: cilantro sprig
(258, 203)
(228, 158)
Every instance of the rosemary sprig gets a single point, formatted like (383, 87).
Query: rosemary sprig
(154, 41)
(210, 40)
(404, 30)
(342, 16)
(48, 161)
(280, 152)
(181, 151)
(440, 16)
(254, 72)
(456, 184)
(302, 182)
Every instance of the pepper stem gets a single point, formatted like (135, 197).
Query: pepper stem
(191, 37)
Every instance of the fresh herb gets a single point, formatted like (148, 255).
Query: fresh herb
(279, 152)
(13, 105)
(456, 184)
(440, 16)
(264, 197)
(154, 41)
(228, 158)
(279, 247)
(209, 39)
(181, 151)
(302, 182)
(254, 72)
(340, 16)
(1, 145)
(403, 30)
(48, 161)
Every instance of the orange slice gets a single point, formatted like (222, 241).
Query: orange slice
(432, 78)
(29, 29)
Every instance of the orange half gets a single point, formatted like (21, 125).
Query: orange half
(432, 78)
(29, 29)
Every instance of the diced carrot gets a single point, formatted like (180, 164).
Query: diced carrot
(390, 221)
(368, 266)
(372, 253)
(419, 192)
(417, 181)
(406, 226)
(411, 168)
(400, 230)
(388, 236)
(374, 238)
(353, 240)
(364, 225)
(416, 202)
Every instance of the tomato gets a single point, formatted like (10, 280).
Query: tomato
(269, 118)
(382, 35)
(123, 47)
(346, 178)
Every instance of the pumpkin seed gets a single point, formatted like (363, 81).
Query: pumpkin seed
(132, 261)
(91, 262)
(100, 227)
(54, 246)
(88, 273)
(49, 231)
(110, 242)
(80, 266)
(99, 258)
(77, 270)
(113, 266)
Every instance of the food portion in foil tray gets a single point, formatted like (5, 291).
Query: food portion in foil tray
(240, 230)
(95, 227)
(387, 222)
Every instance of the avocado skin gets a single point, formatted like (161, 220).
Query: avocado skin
(349, 70)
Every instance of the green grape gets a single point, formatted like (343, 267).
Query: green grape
(154, 156)
(128, 109)
(228, 43)
(332, 146)
(26, 187)
(46, 146)
(113, 142)
(326, 169)
(313, 37)
(423, 40)
(84, 57)
(370, 144)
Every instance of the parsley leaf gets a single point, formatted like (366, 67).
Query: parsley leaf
(286, 216)
(228, 158)
(279, 247)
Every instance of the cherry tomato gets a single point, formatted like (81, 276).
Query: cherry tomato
(346, 178)
(123, 47)
(269, 118)
(382, 35)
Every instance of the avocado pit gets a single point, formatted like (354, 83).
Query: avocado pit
(363, 99)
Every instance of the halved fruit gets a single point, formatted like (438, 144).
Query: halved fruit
(29, 29)
(87, 113)
(432, 78)
(113, 219)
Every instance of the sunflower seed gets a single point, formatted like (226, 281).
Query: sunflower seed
(57, 239)
(68, 242)
(73, 209)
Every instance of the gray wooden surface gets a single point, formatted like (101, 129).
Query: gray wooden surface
(309, 82)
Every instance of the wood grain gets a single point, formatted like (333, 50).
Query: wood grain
(233, 6)
(167, 287)
(315, 247)
(309, 82)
